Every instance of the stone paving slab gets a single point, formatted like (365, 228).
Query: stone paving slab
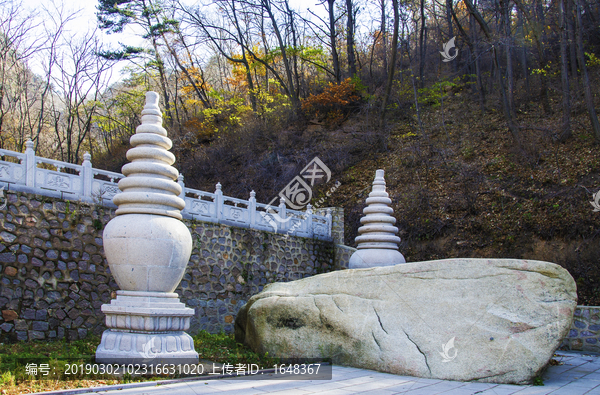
(577, 374)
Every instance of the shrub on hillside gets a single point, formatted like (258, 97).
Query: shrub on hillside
(335, 103)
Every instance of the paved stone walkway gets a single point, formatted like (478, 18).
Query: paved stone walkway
(577, 374)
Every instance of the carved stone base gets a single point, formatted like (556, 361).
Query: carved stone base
(146, 327)
(156, 348)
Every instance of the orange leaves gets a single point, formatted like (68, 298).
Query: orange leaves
(202, 128)
(334, 103)
(197, 76)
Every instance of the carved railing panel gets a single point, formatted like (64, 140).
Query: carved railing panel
(85, 183)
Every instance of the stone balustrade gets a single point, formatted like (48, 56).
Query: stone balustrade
(26, 172)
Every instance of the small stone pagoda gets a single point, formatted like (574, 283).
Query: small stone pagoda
(377, 240)
(148, 248)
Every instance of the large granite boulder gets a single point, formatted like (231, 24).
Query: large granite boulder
(489, 320)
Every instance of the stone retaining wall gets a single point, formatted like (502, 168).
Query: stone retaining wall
(342, 256)
(585, 330)
(54, 277)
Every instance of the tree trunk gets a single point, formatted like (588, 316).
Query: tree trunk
(288, 71)
(392, 68)
(450, 27)
(422, 39)
(514, 130)
(589, 99)
(384, 35)
(540, 40)
(572, 40)
(510, 80)
(523, 51)
(290, 14)
(332, 39)
(350, 38)
(565, 132)
(250, 82)
(480, 85)
(266, 49)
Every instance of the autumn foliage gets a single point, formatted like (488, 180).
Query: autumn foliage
(335, 103)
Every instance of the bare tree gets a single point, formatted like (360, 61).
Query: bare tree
(392, 66)
(350, 25)
(585, 79)
(262, 14)
(565, 132)
(267, 6)
(332, 36)
(383, 30)
(291, 23)
(449, 9)
(504, 100)
(506, 12)
(536, 22)
(54, 26)
(81, 75)
(422, 43)
(16, 79)
(169, 29)
(327, 36)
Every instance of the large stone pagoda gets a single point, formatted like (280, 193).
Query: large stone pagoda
(148, 248)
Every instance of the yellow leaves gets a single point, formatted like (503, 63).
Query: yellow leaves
(226, 113)
(593, 60)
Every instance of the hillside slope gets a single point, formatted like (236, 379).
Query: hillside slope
(464, 189)
(460, 185)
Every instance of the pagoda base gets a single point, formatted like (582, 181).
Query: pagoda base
(146, 327)
(375, 257)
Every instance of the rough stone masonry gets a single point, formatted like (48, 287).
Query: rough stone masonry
(54, 277)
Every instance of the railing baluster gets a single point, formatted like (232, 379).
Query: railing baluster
(218, 202)
(88, 175)
(282, 215)
(30, 165)
(252, 209)
(309, 219)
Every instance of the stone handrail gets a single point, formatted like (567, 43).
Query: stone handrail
(29, 173)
